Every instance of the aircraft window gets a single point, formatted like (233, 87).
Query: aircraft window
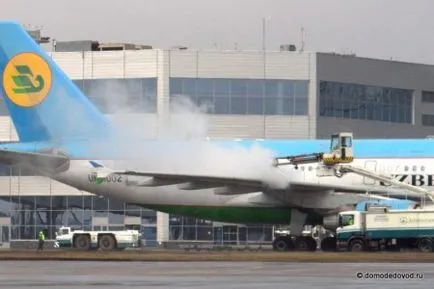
(302, 168)
(406, 168)
(414, 168)
(422, 168)
(310, 168)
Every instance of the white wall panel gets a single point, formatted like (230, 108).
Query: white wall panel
(87, 69)
(287, 127)
(233, 126)
(245, 126)
(239, 64)
(108, 64)
(142, 63)
(288, 65)
(7, 129)
(140, 125)
(70, 62)
(183, 63)
(230, 64)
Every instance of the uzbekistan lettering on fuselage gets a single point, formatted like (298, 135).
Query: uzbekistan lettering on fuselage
(417, 180)
(112, 178)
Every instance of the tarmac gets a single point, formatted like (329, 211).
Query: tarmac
(246, 256)
(212, 275)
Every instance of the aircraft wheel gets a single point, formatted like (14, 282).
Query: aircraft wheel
(305, 244)
(107, 242)
(283, 243)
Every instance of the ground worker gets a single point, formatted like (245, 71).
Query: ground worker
(41, 239)
(351, 220)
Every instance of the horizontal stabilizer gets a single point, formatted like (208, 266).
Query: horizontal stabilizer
(43, 163)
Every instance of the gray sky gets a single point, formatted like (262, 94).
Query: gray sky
(401, 29)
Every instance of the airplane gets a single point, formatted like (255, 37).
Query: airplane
(64, 136)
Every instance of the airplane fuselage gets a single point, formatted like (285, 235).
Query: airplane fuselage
(258, 207)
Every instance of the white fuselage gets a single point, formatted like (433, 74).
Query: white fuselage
(299, 204)
(418, 172)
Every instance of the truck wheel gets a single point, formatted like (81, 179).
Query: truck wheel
(356, 245)
(107, 242)
(425, 245)
(82, 242)
(328, 244)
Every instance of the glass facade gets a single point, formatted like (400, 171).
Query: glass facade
(185, 228)
(244, 96)
(127, 94)
(427, 120)
(357, 101)
(133, 95)
(428, 96)
(29, 214)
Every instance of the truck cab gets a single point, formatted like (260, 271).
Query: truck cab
(349, 222)
(341, 147)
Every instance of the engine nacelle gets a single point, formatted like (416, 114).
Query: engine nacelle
(330, 222)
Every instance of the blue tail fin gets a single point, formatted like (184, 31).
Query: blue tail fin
(43, 102)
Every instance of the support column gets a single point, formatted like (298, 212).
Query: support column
(162, 227)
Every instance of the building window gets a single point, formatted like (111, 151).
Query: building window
(428, 96)
(127, 95)
(243, 96)
(363, 102)
(427, 120)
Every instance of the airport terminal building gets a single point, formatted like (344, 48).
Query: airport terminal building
(284, 94)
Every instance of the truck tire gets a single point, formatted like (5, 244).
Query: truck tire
(356, 245)
(328, 244)
(107, 242)
(82, 242)
(425, 245)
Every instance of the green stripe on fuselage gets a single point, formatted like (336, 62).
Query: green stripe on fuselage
(244, 215)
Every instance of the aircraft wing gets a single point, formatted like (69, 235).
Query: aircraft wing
(232, 185)
(222, 185)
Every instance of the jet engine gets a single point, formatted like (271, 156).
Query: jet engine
(330, 222)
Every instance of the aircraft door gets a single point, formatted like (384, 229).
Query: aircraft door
(372, 166)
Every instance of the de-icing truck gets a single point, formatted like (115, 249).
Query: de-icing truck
(379, 228)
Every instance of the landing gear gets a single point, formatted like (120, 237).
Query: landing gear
(283, 243)
(329, 244)
(305, 244)
(286, 243)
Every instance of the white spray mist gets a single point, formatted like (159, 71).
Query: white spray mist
(181, 147)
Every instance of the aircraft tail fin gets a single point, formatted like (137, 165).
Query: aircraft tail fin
(43, 102)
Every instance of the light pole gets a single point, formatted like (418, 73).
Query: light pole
(264, 22)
